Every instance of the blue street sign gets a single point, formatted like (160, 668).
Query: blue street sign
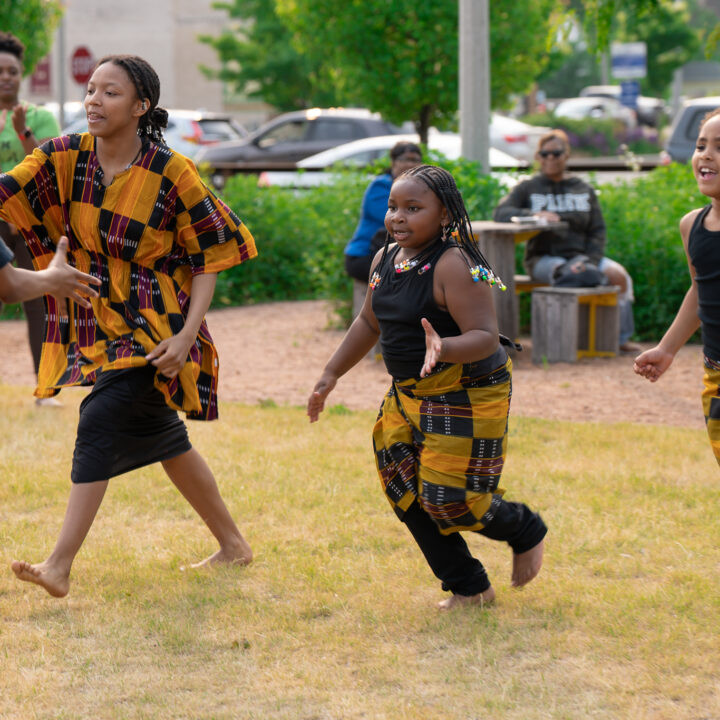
(628, 60)
(629, 91)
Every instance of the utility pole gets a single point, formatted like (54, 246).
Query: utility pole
(61, 70)
(474, 81)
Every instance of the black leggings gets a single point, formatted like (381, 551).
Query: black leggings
(358, 267)
(448, 555)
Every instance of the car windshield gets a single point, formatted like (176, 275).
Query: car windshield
(293, 131)
(218, 130)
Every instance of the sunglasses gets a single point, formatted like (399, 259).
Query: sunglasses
(549, 153)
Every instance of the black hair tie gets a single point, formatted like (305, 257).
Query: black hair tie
(159, 117)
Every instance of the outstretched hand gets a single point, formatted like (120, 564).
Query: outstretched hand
(66, 281)
(652, 363)
(433, 348)
(316, 401)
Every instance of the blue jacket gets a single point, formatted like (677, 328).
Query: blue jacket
(6, 255)
(372, 215)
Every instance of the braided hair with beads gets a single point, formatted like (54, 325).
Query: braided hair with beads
(147, 86)
(442, 183)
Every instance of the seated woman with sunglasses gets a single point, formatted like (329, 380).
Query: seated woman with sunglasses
(554, 195)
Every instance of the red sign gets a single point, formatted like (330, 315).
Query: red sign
(82, 63)
(40, 79)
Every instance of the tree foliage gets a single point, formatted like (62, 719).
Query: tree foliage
(33, 22)
(397, 57)
(259, 59)
(400, 58)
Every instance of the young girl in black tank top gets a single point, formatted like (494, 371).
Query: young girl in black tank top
(441, 435)
(700, 231)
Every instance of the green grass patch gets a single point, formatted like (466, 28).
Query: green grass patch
(335, 619)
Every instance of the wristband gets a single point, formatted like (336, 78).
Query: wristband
(27, 133)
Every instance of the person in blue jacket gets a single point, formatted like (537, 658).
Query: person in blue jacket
(403, 155)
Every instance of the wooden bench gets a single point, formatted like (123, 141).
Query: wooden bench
(571, 323)
(523, 283)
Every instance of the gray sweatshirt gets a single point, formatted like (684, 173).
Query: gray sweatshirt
(576, 204)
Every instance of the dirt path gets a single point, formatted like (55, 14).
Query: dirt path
(276, 352)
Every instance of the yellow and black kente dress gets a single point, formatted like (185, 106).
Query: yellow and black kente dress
(145, 235)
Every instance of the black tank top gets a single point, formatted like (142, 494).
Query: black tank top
(399, 301)
(704, 251)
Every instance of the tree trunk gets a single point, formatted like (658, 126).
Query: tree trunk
(422, 124)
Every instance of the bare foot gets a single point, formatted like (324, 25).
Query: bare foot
(527, 565)
(454, 601)
(239, 554)
(55, 582)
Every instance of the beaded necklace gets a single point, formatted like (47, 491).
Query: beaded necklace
(409, 264)
(406, 265)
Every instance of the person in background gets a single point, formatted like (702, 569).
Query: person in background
(358, 255)
(22, 128)
(554, 195)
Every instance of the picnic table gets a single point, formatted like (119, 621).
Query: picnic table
(497, 243)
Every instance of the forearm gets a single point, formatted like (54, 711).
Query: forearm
(28, 143)
(201, 294)
(686, 322)
(470, 346)
(516, 203)
(17, 285)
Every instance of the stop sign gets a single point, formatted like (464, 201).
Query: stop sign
(82, 63)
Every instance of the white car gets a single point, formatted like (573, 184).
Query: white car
(188, 130)
(317, 169)
(515, 137)
(596, 106)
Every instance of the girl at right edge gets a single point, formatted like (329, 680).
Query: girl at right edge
(700, 232)
(441, 434)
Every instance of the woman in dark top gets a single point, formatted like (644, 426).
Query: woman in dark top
(441, 435)
(553, 194)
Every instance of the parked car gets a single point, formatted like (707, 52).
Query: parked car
(684, 130)
(318, 169)
(515, 137)
(650, 110)
(296, 135)
(598, 107)
(187, 130)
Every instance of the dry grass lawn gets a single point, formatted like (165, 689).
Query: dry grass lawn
(335, 620)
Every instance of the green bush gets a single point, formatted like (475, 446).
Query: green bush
(301, 234)
(642, 219)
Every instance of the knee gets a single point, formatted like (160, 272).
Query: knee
(618, 275)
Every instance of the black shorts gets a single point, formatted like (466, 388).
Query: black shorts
(125, 424)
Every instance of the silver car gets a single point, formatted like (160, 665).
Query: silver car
(684, 130)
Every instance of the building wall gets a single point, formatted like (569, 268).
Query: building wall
(164, 32)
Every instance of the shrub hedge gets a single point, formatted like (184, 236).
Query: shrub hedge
(642, 219)
(301, 236)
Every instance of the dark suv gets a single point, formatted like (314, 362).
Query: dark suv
(684, 131)
(290, 137)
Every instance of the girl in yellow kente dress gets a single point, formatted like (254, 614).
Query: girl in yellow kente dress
(441, 435)
(139, 218)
